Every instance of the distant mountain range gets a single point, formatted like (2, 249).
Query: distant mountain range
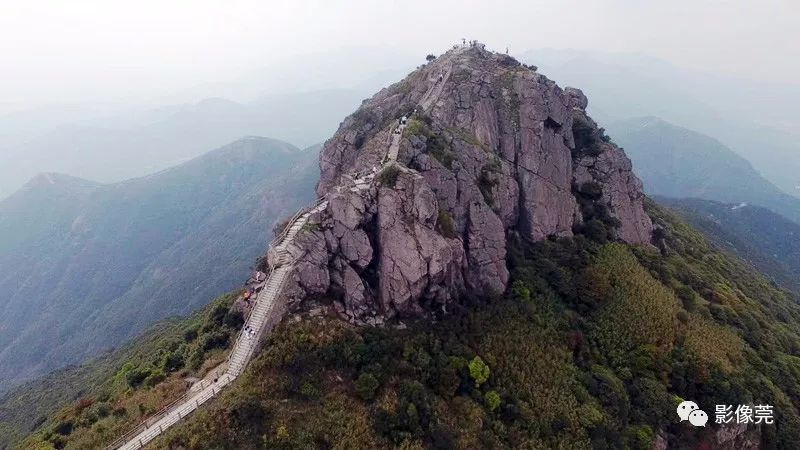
(118, 148)
(676, 162)
(299, 99)
(86, 266)
(758, 120)
(718, 192)
(767, 240)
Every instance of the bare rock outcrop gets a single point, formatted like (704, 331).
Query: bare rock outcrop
(490, 147)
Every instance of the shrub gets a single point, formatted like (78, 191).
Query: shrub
(520, 292)
(64, 428)
(388, 176)
(415, 128)
(430, 57)
(136, 376)
(478, 370)
(233, 319)
(588, 140)
(591, 190)
(172, 362)
(218, 314)
(309, 390)
(492, 400)
(190, 334)
(310, 226)
(486, 184)
(155, 377)
(445, 225)
(447, 379)
(366, 384)
(639, 437)
(595, 230)
(215, 339)
(439, 148)
(248, 416)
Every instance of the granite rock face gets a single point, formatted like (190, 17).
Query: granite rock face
(491, 147)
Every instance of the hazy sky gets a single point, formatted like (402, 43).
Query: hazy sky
(105, 50)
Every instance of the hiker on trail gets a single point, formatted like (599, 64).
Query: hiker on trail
(441, 76)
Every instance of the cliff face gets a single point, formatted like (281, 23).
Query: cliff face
(417, 219)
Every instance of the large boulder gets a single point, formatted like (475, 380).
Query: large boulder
(491, 147)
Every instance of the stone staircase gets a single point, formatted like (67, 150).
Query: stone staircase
(264, 314)
(245, 344)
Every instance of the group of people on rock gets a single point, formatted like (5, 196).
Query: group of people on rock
(251, 287)
(472, 43)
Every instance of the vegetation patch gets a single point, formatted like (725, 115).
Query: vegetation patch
(589, 140)
(310, 226)
(598, 223)
(487, 181)
(388, 176)
(468, 137)
(145, 383)
(437, 145)
(593, 346)
(445, 224)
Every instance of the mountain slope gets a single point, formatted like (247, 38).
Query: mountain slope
(193, 345)
(85, 266)
(593, 346)
(757, 235)
(677, 162)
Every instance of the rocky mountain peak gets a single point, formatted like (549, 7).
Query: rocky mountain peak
(426, 180)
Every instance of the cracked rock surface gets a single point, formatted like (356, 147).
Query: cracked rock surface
(495, 152)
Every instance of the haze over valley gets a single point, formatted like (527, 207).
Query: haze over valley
(400, 225)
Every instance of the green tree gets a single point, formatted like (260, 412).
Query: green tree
(492, 400)
(478, 370)
(520, 292)
(366, 384)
